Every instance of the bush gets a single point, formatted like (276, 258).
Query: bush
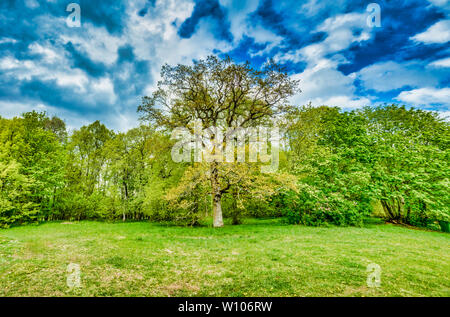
(312, 207)
(15, 196)
(250, 208)
(73, 205)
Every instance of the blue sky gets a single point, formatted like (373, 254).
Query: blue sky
(101, 70)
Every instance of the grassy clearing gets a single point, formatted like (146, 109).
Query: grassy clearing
(258, 258)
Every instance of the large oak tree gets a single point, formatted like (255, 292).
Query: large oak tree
(218, 93)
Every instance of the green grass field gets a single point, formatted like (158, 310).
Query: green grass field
(258, 258)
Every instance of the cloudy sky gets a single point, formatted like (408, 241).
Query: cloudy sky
(102, 69)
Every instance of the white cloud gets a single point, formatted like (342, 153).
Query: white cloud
(103, 89)
(444, 115)
(7, 40)
(390, 75)
(156, 39)
(7, 63)
(345, 102)
(96, 42)
(147, 35)
(32, 4)
(444, 63)
(340, 36)
(324, 85)
(124, 121)
(426, 96)
(238, 11)
(11, 108)
(437, 33)
(321, 82)
(263, 36)
(445, 4)
(28, 69)
(49, 55)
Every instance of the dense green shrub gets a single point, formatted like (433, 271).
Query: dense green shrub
(269, 208)
(312, 207)
(16, 206)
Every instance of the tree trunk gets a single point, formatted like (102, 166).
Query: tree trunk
(236, 220)
(401, 203)
(217, 211)
(387, 209)
(126, 202)
(216, 196)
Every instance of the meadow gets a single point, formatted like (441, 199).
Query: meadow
(256, 258)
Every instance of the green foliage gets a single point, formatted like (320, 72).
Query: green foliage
(312, 208)
(336, 167)
(389, 154)
(40, 158)
(188, 201)
(15, 196)
(411, 163)
(333, 168)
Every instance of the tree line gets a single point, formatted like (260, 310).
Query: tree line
(335, 167)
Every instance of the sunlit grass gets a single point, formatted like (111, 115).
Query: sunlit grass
(258, 258)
